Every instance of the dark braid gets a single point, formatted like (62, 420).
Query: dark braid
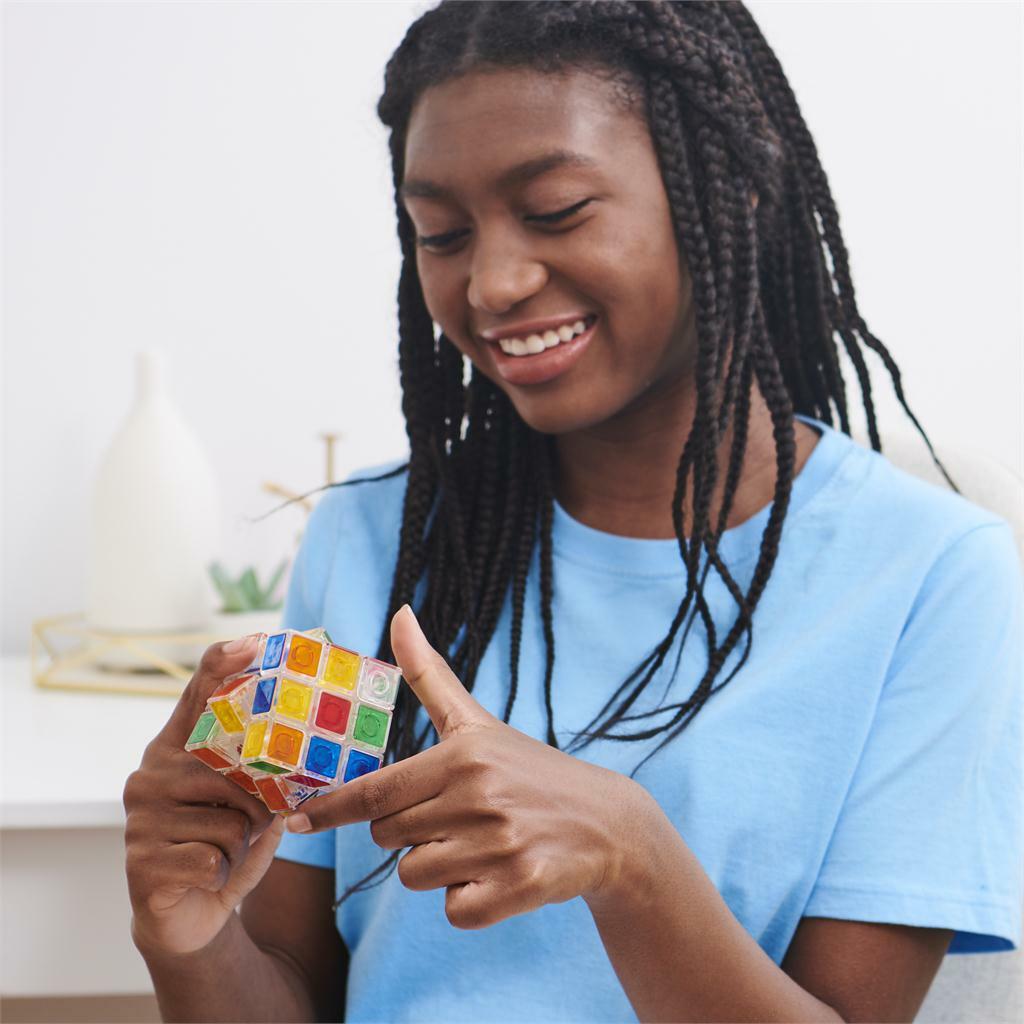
(771, 292)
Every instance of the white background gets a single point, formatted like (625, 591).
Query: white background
(210, 179)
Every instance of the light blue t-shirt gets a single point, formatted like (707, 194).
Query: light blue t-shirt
(865, 764)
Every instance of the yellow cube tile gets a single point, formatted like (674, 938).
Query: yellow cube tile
(226, 715)
(294, 699)
(253, 745)
(342, 668)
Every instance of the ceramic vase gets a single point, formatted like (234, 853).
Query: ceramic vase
(155, 525)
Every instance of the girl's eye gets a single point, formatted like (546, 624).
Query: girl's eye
(449, 237)
(439, 241)
(551, 218)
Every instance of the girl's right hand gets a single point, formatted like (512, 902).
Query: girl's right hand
(195, 843)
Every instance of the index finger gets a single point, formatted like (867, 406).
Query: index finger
(376, 794)
(217, 663)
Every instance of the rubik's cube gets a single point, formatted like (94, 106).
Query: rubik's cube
(304, 718)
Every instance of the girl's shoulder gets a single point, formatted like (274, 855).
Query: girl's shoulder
(875, 504)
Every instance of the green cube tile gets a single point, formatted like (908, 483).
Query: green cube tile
(266, 766)
(371, 726)
(203, 728)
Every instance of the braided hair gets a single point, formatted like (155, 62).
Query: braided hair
(772, 294)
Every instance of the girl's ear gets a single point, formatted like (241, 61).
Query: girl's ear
(753, 199)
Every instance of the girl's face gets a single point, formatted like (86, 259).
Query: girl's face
(538, 204)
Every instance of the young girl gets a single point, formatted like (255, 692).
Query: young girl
(728, 722)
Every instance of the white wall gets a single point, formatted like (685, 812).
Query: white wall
(210, 178)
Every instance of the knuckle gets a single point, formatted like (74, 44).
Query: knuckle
(134, 833)
(211, 864)
(379, 833)
(529, 875)
(211, 666)
(507, 839)
(407, 872)
(465, 915)
(472, 755)
(142, 827)
(131, 795)
(490, 798)
(240, 828)
(136, 864)
(237, 830)
(211, 660)
(373, 799)
(437, 662)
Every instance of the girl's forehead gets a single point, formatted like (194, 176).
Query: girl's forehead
(501, 117)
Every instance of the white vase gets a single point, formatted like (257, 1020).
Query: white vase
(155, 525)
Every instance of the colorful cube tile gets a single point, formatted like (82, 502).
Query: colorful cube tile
(306, 717)
(342, 669)
(333, 713)
(359, 763)
(378, 682)
(211, 744)
(371, 726)
(304, 656)
(294, 699)
(230, 701)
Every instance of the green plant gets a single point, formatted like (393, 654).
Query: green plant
(245, 594)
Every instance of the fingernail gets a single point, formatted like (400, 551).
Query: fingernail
(407, 611)
(297, 823)
(243, 643)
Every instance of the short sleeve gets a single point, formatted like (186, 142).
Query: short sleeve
(930, 833)
(303, 608)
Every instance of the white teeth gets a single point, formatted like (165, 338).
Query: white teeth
(535, 343)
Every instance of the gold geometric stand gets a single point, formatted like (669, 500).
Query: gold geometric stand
(67, 654)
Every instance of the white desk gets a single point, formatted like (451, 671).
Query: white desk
(65, 757)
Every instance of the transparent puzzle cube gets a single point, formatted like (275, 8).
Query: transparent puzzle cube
(304, 718)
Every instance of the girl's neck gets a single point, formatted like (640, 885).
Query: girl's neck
(620, 476)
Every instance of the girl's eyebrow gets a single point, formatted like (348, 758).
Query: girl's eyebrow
(520, 174)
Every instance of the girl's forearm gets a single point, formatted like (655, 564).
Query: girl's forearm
(679, 952)
(232, 979)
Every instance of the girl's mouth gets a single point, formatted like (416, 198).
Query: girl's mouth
(541, 357)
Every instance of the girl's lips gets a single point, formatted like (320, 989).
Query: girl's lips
(544, 366)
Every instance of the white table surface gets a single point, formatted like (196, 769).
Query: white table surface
(66, 755)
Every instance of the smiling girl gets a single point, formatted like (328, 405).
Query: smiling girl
(727, 723)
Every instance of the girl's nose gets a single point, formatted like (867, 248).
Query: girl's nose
(501, 278)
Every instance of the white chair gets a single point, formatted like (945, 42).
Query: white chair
(985, 987)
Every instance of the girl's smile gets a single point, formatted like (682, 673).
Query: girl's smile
(538, 352)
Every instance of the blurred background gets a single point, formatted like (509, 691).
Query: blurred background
(209, 180)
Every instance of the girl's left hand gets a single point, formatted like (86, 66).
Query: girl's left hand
(504, 822)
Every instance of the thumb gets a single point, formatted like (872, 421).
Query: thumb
(447, 701)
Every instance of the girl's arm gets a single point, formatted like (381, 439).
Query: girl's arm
(231, 979)
(279, 959)
(680, 954)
